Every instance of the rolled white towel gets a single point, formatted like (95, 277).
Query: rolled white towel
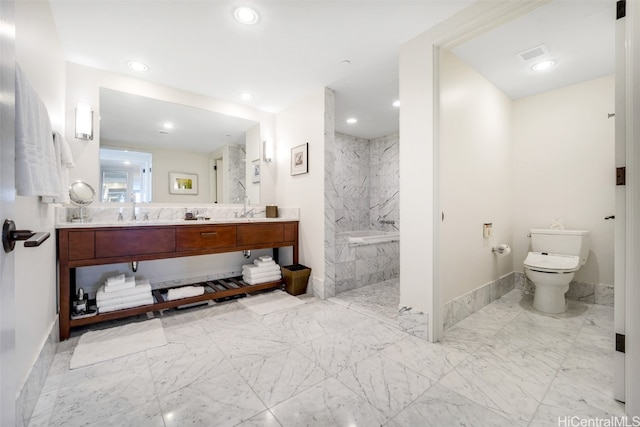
(128, 283)
(114, 307)
(253, 281)
(261, 263)
(184, 292)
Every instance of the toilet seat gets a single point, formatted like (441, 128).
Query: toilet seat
(552, 263)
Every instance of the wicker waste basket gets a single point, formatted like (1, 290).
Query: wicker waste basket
(296, 277)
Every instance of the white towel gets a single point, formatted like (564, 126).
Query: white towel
(184, 292)
(251, 269)
(116, 280)
(122, 300)
(261, 263)
(146, 301)
(252, 281)
(261, 275)
(128, 283)
(142, 288)
(265, 258)
(64, 162)
(36, 171)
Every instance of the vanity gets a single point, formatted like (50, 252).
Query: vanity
(83, 245)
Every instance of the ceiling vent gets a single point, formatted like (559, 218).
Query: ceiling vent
(533, 53)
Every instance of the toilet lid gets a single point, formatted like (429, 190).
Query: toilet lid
(543, 261)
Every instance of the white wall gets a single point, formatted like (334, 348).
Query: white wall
(165, 161)
(254, 148)
(475, 178)
(564, 168)
(39, 53)
(303, 122)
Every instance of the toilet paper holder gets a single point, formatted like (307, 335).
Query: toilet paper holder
(501, 249)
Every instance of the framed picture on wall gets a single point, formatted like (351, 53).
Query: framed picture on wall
(255, 176)
(300, 159)
(183, 183)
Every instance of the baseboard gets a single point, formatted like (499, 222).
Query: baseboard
(29, 390)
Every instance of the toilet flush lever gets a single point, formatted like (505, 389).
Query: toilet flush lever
(10, 235)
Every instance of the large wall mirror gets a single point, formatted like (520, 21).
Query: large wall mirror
(158, 151)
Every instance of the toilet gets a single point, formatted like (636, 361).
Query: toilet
(551, 265)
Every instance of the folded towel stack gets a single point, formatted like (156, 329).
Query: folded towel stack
(263, 270)
(121, 292)
(184, 292)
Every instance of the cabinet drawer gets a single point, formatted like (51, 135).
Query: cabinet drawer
(114, 243)
(209, 237)
(257, 234)
(82, 245)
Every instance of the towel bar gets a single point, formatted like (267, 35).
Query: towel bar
(10, 235)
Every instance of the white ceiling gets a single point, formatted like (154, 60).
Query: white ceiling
(299, 45)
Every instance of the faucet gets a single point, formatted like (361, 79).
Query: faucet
(245, 213)
(133, 207)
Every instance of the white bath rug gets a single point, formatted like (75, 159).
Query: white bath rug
(269, 302)
(100, 346)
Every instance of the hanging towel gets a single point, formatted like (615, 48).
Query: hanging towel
(36, 172)
(64, 162)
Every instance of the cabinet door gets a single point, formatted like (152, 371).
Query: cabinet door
(206, 237)
(138, 241)
(82, 245)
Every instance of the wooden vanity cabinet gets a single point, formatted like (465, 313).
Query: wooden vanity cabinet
(83, 247)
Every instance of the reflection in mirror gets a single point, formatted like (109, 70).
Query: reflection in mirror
(180, 139)
(125, 175)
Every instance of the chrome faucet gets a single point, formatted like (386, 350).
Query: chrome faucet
(245, 213)
(133, 207)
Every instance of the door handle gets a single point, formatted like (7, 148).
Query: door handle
(10, 235)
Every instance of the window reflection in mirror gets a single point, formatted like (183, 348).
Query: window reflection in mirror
(125, 175)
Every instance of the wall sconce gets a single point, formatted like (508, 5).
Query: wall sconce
(267, 151)
(84, 122)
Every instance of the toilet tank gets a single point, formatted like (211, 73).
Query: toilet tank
(565, 242)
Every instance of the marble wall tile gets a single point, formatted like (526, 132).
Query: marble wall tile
(604, 294)
(33, 385)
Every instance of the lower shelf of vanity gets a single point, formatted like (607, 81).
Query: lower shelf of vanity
(214, 290)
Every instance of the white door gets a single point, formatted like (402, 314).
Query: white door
(8, 380)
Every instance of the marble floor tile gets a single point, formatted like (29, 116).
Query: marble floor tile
(98, 393)
(226, 400)
(495, 388)
(277, 377)
(329, 403)
(441, 407)
(174, 371)
(384, 383)
(329, 363)
(427, 359)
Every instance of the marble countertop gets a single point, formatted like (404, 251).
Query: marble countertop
(158, 215)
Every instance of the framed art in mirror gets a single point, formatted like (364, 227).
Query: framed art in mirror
(255, 176)
(300, 159)
(183, 183)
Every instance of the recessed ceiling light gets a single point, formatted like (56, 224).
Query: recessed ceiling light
(352, 120)
(396, 103)
(246, 15)
(245, 96)
(167, 125)
(127, 162)
(138, 66)
(346, 62)
(544, 65)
